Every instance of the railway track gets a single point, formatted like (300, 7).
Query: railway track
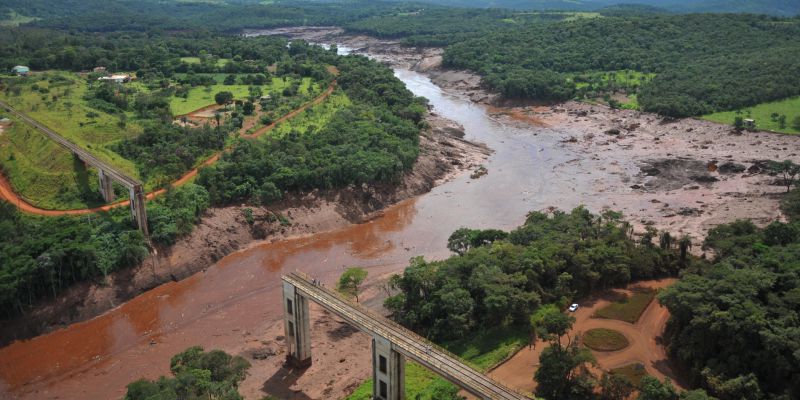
(407, 342)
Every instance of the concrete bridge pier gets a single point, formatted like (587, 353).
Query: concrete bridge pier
(138, 208)
(106, 186)
(297, 327)
(388, 371)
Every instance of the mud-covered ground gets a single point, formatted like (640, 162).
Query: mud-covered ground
(224, 230)
(689, 175)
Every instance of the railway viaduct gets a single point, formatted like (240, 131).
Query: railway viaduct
(391, 344)
(107, 174)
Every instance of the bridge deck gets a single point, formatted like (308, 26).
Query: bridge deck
(407, 342)
(84, 155)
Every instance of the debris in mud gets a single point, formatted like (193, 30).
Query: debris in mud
(613, 132)
(263, 353)
(690, 212)
(674, 173)
(481, 171)
(731, 168)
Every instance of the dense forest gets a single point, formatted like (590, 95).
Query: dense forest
(703, 63)
(373, 139)
(526, 278)
(197, 374)
(736, 325)
(501, 278)
(42, 256)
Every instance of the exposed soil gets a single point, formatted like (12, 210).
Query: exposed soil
(643, 336)
(224, 230)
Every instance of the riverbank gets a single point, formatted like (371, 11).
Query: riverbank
(684, 176)
(231, 305)
(224, 230)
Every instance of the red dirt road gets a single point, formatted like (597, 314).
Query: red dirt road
(7, 191)
(643, 338)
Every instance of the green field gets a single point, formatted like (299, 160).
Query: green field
(44, 173)
(629, 308)
(314, 117)
(634, 373)
(15, 19)
(762, 114)
(196, 60)
(203, 96)
(60, 105)
(604, 340)
(483, 351)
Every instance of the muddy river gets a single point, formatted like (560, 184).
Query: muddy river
(221, 306)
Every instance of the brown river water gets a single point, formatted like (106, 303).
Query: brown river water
(219, 307)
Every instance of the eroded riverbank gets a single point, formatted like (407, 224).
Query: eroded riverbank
(232, 304)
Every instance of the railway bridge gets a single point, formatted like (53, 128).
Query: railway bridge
(391, 343)
(107, 174)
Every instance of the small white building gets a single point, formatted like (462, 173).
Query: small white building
(115, 78)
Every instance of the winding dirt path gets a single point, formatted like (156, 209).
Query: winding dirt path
(7, 191)
(643, 337)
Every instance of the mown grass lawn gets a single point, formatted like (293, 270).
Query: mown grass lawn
(634, 372)
(483, 351)
(762, 114)
(628, 309)
(604, 340)
(203, 96)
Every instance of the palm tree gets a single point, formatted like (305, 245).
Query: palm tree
(685, 244)
(665, 240)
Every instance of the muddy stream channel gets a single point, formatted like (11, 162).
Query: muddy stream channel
(230, 303)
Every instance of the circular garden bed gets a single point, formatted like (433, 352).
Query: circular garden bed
(604, 340)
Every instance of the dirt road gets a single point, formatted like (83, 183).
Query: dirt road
(7, 191)
(643, 337)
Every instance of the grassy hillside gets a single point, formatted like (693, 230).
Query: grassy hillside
(56, 99)
(764, 116)
(44, 173)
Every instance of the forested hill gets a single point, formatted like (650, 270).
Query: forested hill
(703, 62)
(785, 8)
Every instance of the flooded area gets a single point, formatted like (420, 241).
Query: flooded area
(236, 301)
(221, 306)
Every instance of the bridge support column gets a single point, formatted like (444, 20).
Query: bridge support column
(106, 186)
(388, 371)
(138, 209)
(297, 327)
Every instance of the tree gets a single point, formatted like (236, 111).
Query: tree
(652, 389)
(223, 97)
(684, 245)
(248, 108)
(615, 387)
(230, 80)
(788, 170)
(738, 123)
(563, 374)
(796, 123)
(782, 121)
(351, 280)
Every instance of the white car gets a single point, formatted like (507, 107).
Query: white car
(573, 307)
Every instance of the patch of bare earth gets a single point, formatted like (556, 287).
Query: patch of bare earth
(443, 154)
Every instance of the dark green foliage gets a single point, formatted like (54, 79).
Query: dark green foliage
(39, 257)
(373, 140)
(197, 375)
(736, 325)
(704, 63)
(549, 258)
(167, 151)
(175, 214)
